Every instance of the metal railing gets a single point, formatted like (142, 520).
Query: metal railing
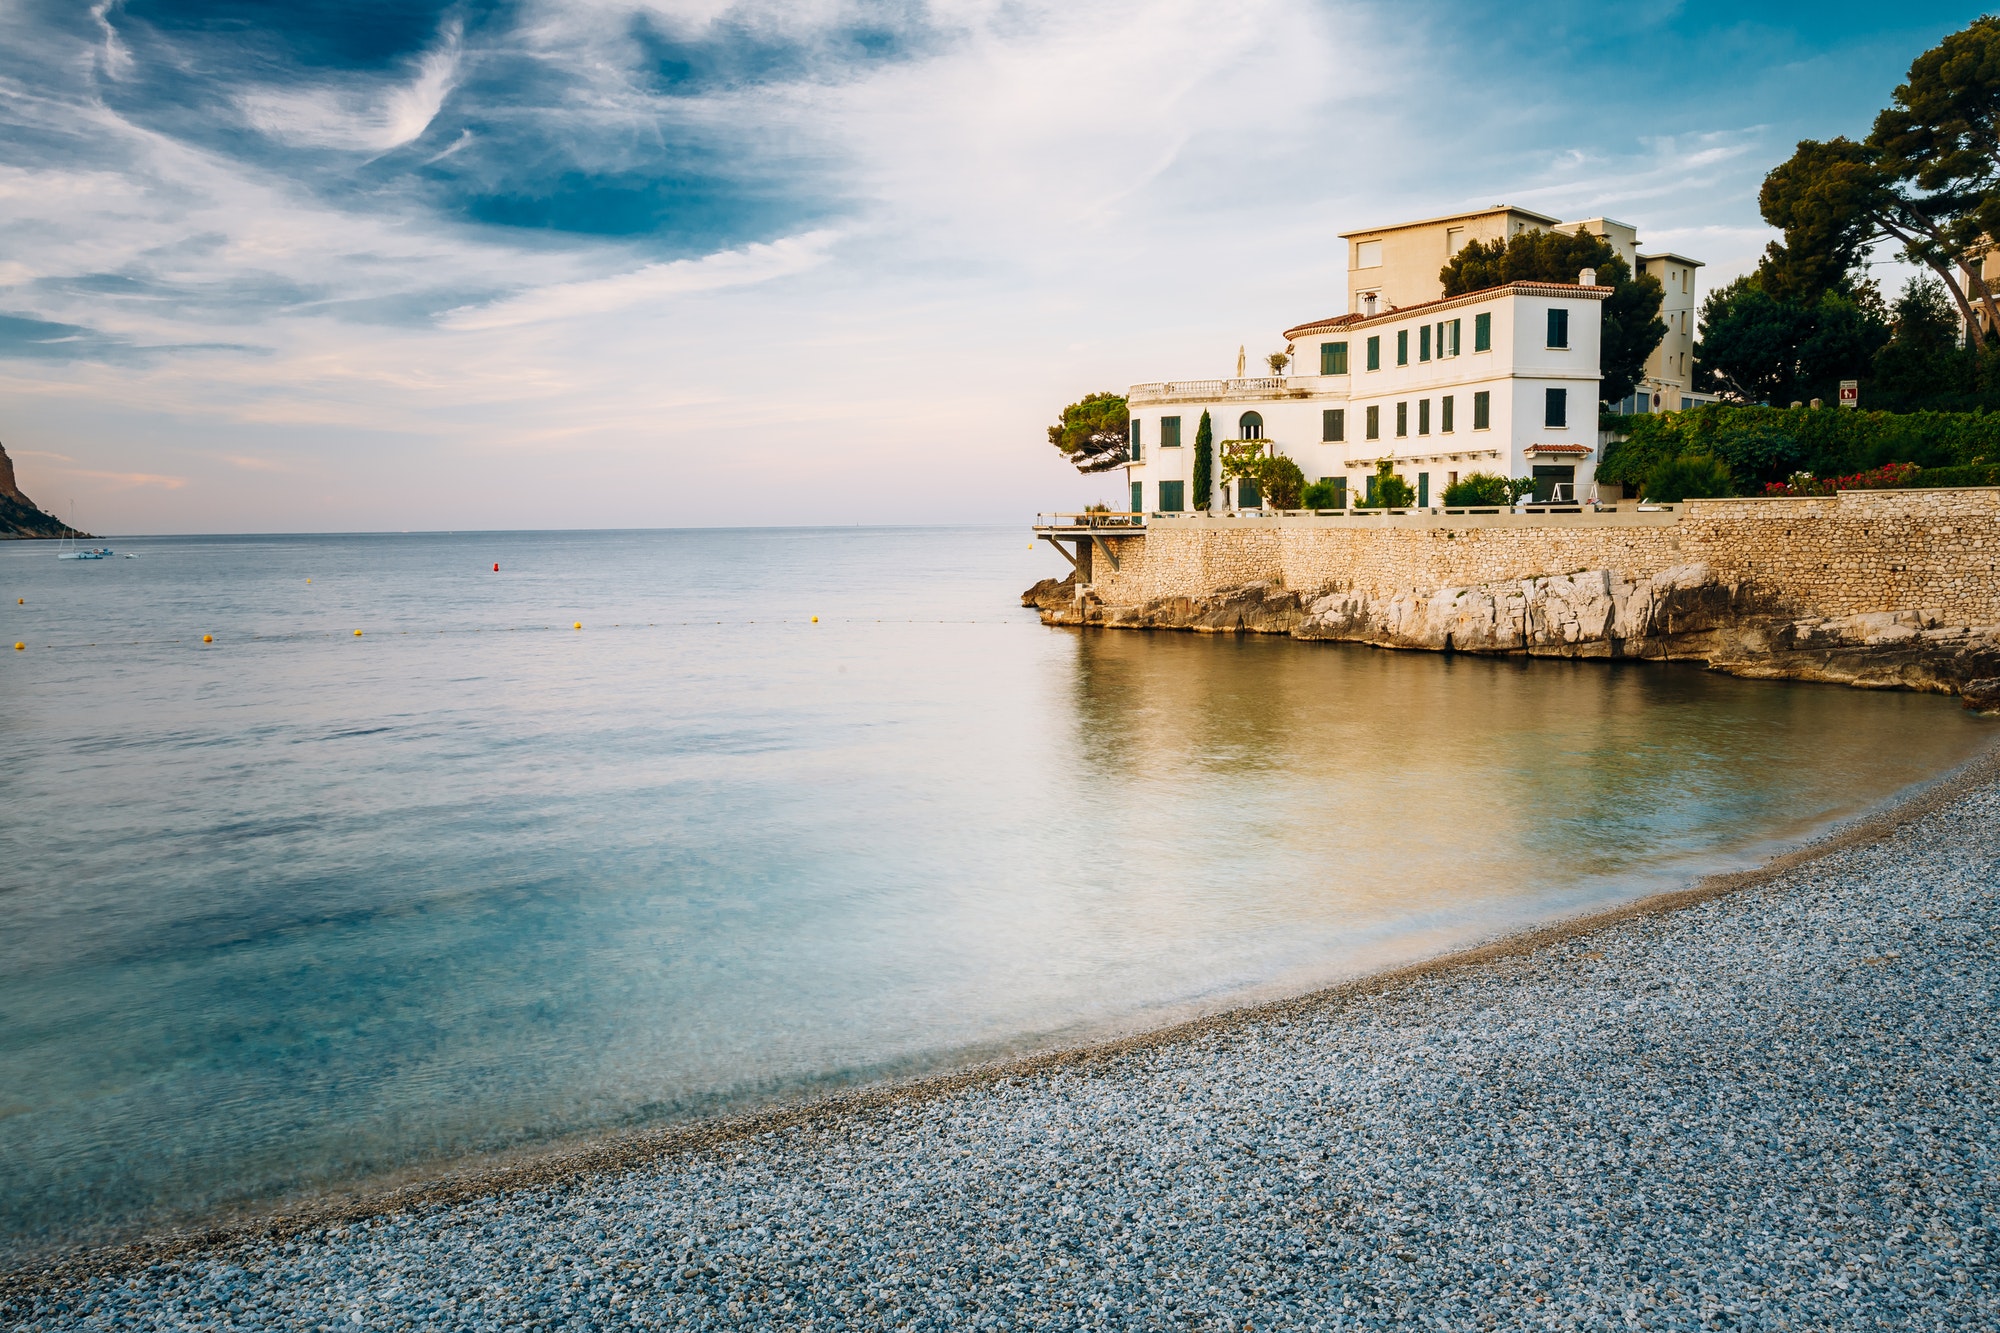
(1093, 519)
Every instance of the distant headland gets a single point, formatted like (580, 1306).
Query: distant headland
(19, 516)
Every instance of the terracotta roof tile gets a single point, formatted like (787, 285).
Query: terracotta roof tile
(1404, 312)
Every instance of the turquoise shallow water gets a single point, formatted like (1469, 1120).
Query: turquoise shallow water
(296, 907)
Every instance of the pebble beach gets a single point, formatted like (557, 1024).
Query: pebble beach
(1770, 1107)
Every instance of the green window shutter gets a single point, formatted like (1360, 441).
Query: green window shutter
(1555, 407)
(1424, 343)
(1423, 490)
(1170, 433)
(1333, 358)
(1402, 420)
(1375, 423)
(1444, 414)
(1423, 416)
(1333, 424)
(1173, 497)
(1138, 497)
(1558, 327)
(1375, 352)
(1340, 492)
(1453, 326)
(1482, 332)
(1138, 452)
(1482, 408)
(1402, 347)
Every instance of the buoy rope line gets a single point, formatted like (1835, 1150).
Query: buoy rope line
(308, 635)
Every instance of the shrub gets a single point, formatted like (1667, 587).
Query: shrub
(1326, 493)
(1277, 478)
(1386, 490)
(1689, 477)
(1479, 488)
(1763, 444)
(1970, 474)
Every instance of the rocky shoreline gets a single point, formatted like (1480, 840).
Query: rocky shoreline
(1765, 1102)
(1685, 613)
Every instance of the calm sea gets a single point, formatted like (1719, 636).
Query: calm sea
(297, 907)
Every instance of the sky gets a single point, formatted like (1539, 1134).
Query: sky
(377, 266)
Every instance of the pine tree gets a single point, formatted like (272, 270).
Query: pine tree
(1204, 463)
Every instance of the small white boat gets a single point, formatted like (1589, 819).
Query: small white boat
(88, 553)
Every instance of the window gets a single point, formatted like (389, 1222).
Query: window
(1423, 416)
(1402, 420)
(1558, 327)
(1482, 408)
(1333, 358)
(1444, 413)
(1424, 343)
(1448, 337)
(1137, 452)
(1375, 352)
(1402, 347)
(1138, 496)
(1555, 408)
(1250, 426)
(1170, 434)
(1482, 332)
(1333, 424)
(1339, 485)
(1374, 423)
(1423, 490)
(1247, 495)
(1173, 497)
(1368, 254)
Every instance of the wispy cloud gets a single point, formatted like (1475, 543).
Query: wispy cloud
(364, 119)
(654, 283)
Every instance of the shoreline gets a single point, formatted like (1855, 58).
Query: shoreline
(488, 1177)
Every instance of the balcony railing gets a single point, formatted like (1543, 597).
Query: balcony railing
(1210, 388)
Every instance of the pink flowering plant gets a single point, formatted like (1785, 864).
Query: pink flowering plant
(1888, 477)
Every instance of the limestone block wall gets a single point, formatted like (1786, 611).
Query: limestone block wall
(1861, 551)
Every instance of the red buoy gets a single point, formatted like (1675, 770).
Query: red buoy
(496, 567)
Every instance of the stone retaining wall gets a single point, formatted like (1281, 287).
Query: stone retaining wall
(1934, 551)
(1879, 588)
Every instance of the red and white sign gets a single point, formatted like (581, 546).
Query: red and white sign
(1850, 393)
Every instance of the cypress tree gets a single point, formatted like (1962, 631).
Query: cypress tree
(1204, 463)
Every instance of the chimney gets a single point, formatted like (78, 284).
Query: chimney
(1587, 278)
(1368, 305)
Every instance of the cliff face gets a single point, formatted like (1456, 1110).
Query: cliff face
(1682, 614)
(19, 516)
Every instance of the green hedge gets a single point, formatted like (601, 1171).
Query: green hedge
(1761, 444)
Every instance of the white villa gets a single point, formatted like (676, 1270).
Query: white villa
(1501, 381)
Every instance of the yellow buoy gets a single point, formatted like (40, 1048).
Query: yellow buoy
(20, 647)
(357, 634)
(577, 625)
(308, 580)
(208, 638)
(815, 620)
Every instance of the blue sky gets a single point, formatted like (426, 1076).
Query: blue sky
(571, 263)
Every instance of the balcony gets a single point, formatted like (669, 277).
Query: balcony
(1200, 391)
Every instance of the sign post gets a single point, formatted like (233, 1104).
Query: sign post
(1850, 393)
